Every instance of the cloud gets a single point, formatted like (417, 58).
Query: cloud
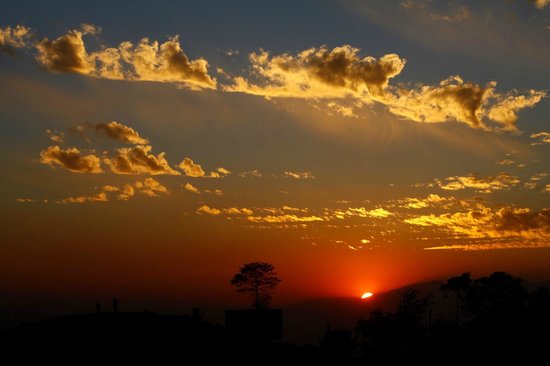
(65, 54)
(120, 132)
(320, 73)
(255, 173)
(24, 200)
(208, 211)
(12, 38)
(491, 246)
(543, 138)
(452, 99)
(100, 197)
(541, 4)
(151, 187)
(217, 192)
(55, 137)
(377, 213)
(238, 211)
(506, 162)
(126, 192)
(145, 61)
(417, 203)
(501, 181)
(505, 111)
(271, 219)
(298, 175)
(191, 169)
(484, 222)
(71, 159)
(138, 160)
(339, 75)
(110, 188)
(191, 188)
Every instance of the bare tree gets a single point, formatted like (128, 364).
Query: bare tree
(258, 279)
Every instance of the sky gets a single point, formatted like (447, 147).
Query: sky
(150, 149)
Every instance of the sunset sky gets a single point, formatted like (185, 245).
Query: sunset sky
(151, 148)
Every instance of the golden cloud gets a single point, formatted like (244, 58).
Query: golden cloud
(191, 169)
(541, 4)
(378, 213)
(320, 73)
(138, 160)
(340, 75)
(543, 138)
(126, 192)
(12, 38)
(208, 211)
(147, 61)
(271, 219)
(120, 132)
(151, 187)
(488, 184)
(100, 197)
(505, 111)
(484, 222)
(417, 203)
(55, 137)
(251, 173)
(298, 175)
(71, 159)
(191, 188)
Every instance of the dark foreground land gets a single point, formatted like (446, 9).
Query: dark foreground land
(495, 319)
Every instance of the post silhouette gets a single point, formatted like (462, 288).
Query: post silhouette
(115, 305)
(97, 307)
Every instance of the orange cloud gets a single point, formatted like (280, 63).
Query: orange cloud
(251, 173)
(191, 188)
(543, 138)
(208, 211)
(120, 132)
(151, 187)
(298, 175)
(191, 169)
(100, 197)
(340, 75)
(320, 73)
(12, 38)
(488, 184)
(126, 192)
(484, 222)
(146, 61)
(71, 159)
(271, 219)
(417, 203)
(138, 160)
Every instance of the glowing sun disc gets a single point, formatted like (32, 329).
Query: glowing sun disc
(366, 295)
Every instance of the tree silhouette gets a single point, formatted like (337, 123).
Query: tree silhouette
(459, 285)
(258, 279)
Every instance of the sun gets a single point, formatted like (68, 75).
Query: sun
(366, 295)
